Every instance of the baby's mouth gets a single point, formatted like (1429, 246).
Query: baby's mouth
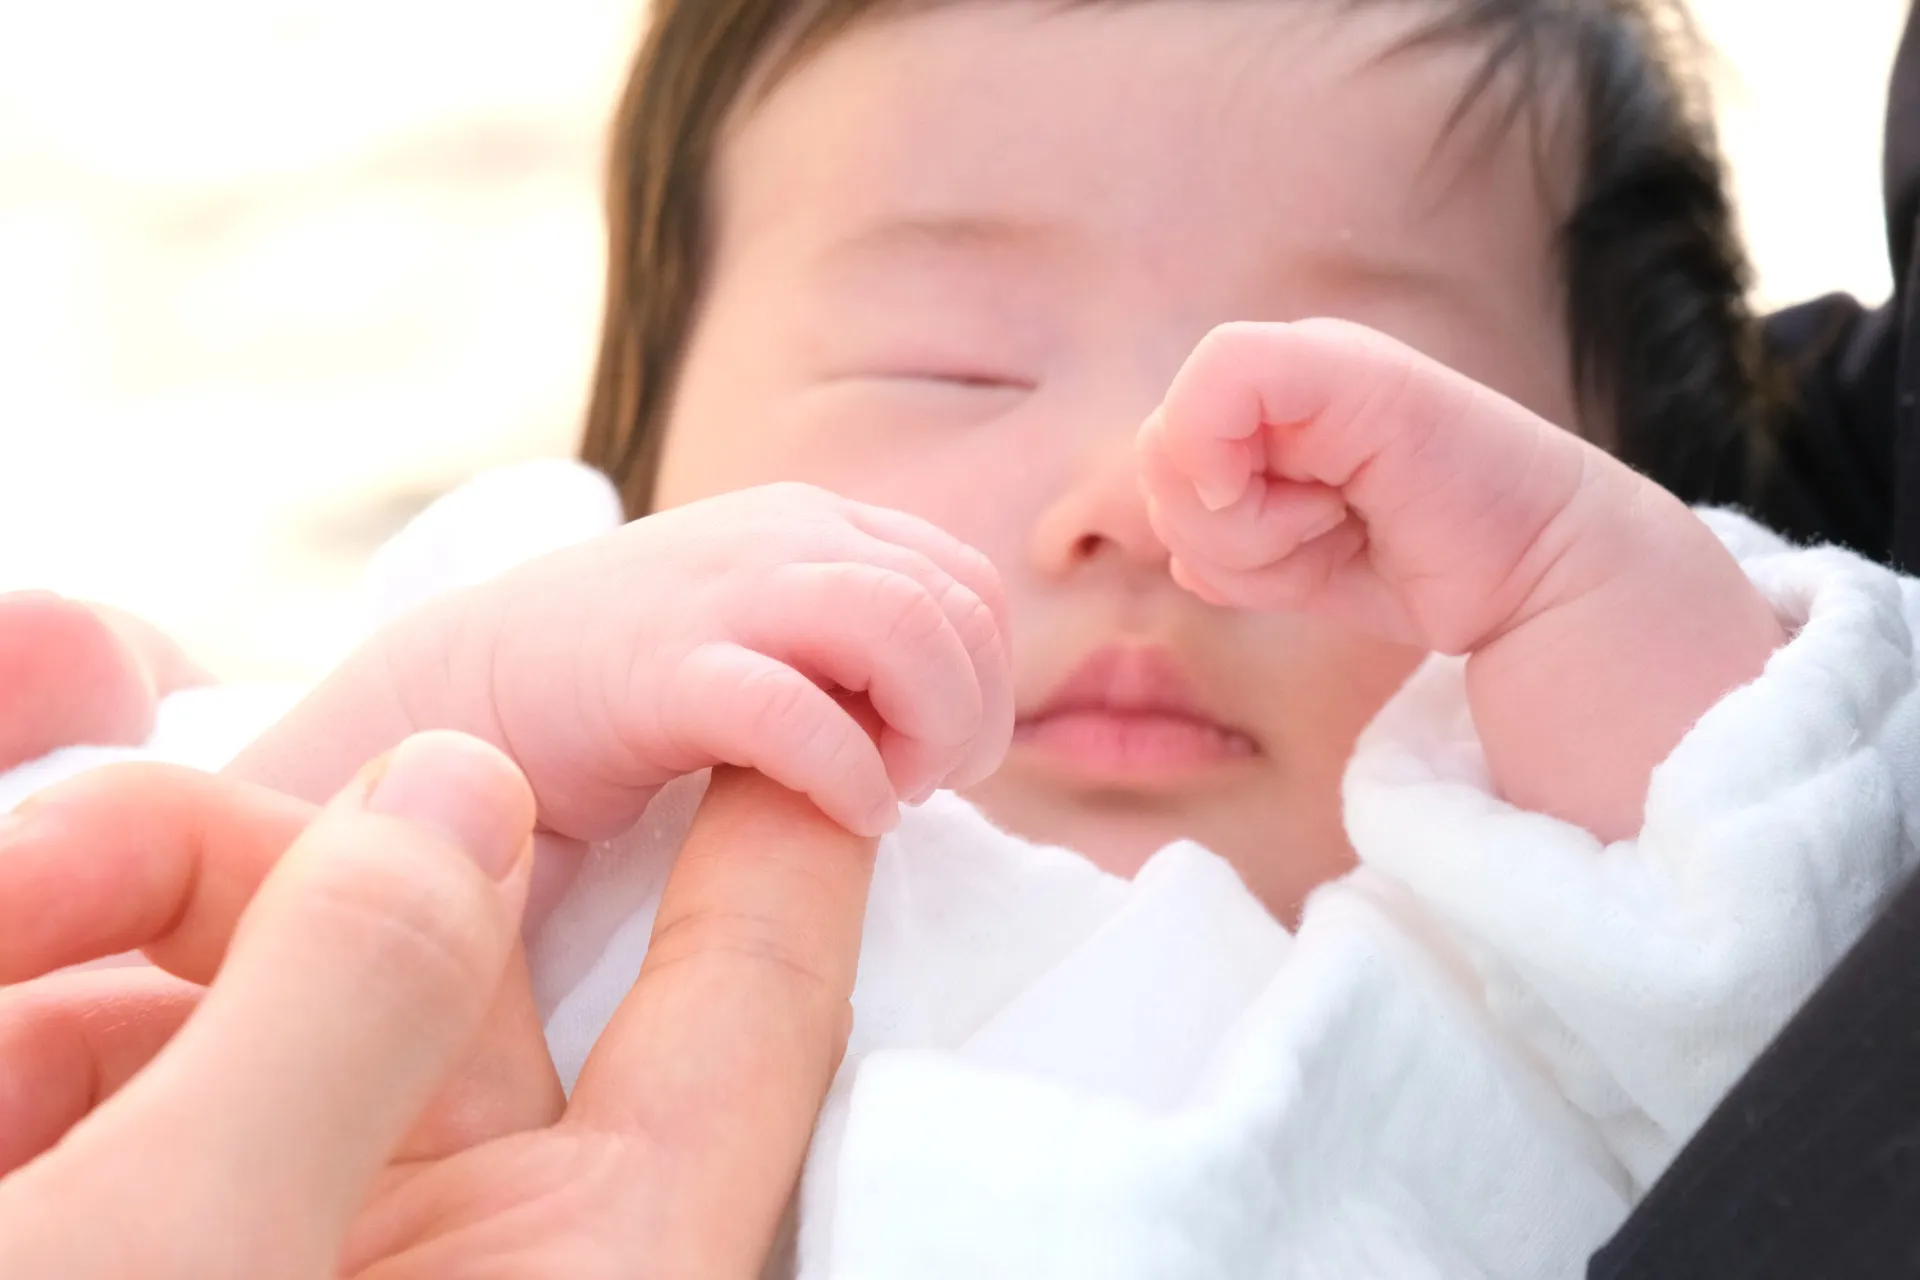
(1129, 717)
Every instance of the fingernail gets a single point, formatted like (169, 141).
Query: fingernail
(1217, 495)
(451, 784)
(886, 816)
(1325, 525)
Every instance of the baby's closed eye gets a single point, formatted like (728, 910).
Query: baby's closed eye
(915, 390)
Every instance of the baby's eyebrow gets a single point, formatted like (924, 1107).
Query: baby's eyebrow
(939, 233)
(1387, 273)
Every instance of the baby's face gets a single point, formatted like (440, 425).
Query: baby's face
(957, 259)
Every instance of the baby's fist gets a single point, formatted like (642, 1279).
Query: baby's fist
(1323, 467)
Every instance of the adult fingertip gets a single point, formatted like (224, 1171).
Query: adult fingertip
(461, 788)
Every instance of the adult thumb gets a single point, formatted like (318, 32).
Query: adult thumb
(354, 982)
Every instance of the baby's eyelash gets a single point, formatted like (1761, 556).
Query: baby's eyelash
(968, 380)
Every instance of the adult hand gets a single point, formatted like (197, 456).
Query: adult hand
(77, 674)
(306, 1119)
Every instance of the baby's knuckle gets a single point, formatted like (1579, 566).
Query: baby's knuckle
(790, 493)
(982, 576)
(774, 703)
(1178, 536)
(1237, 341)
(908, 613)
(973, 618)
(1325, 326)
(849, 759)
(1231, 333)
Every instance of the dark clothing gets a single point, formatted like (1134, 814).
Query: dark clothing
(1833, 477)
(1811, 1167)
(1848, 469)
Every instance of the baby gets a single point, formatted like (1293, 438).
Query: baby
(1314, 467)
(893, 290)
(1317, 468)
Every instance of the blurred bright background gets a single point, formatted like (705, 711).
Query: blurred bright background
(274, 273)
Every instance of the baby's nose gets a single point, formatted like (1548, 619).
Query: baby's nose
(1099, 515)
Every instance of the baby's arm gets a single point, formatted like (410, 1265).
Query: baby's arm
(1323, 467)
(716, 633)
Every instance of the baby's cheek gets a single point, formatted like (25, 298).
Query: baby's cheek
(1334, 687)
(1328, 684)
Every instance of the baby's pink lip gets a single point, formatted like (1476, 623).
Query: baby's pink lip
(1129, 716)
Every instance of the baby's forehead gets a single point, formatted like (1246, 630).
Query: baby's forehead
(1185, 136)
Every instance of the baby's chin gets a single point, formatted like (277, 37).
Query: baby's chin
(1281, 851)
(1117, 831)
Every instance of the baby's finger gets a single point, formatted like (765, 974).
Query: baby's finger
(69, 1041)
(986, 637)
(919, 763)
(1326, 574)
(874, 631)
(1269, 522)
(1215, 454)
(734, 705)
(1241, 381)
(971, 568)
(1342, 404)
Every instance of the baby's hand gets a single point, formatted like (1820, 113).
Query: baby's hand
(1323, 467)
(720, 633)
(746, 630)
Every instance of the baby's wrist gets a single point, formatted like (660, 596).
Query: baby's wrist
(1578, 704)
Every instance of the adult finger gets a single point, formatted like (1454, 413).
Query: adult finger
(136, 856)
(168, 666)
(358, 975)
(69, 1041)
(719, 1059)
(67, 678)
(164, 860)
(506, 1082)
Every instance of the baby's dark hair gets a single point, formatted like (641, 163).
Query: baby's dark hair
(1666, 352)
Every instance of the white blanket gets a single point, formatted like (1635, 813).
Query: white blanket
(1475, 1053)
